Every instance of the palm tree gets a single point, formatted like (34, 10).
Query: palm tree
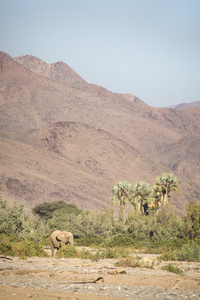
(164, 185)
(120, 193)
(158, 197)
(141, 195)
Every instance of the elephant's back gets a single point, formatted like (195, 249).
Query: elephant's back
(55, 233)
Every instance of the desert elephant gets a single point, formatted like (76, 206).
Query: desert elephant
(58, 240)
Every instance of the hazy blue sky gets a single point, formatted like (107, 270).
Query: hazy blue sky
(149, 48)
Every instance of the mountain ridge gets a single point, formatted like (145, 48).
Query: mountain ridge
(31, 101)
(183, 106)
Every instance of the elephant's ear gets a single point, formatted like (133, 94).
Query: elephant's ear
(61, 237)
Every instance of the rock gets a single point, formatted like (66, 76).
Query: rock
(116, 272)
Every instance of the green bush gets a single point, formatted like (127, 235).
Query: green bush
(166, 245)
(161, 233)
(90, 240)
(13, 220)
(173, 269)
(119, 241)
(189, 253)
(68, 251)
(168, 256)
(191, 220)
(86, 254)
(6, 249)
(72, 252)
(114, 253)
(22, 248)
(29, 248)
(104, 254)
(46, 210)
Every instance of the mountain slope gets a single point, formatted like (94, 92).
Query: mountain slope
(35, 95)
(183, 158)
(183, 106)
(32, 101)
(59, 71)
(73, 162)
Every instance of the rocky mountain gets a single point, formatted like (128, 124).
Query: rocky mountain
(30, 100)
(39, 104)
(59, 71)
(74, 162)
(184, 158)
(187, 105)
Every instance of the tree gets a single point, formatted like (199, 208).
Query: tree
(46, 210)
(13, 220)
(164, 185)
(141, 195)
(191, 220)
(120, 193)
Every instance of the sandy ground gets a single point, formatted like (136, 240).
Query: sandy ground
(70, 278)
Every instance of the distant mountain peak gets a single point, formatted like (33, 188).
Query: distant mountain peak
(6, 63)
(183, 106)
(58, 71)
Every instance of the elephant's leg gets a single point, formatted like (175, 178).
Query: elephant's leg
(55, 250)
(52, 252)
(52, 249)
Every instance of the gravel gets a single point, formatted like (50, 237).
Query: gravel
(71, 275)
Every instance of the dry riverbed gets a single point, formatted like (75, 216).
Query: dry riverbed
(73, 278)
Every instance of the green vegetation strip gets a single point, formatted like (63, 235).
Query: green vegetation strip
(144, 222)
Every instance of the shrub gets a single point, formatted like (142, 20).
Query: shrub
(6, 249)
(68, 251)
(189, 253)
(13, 220)
(85, 254)
(134, 262)
(109, 254)
(191, 221)
(29, 248)
(21, 248)
(173, 269)
(47, 209)
(167, 256)
(129, 263)
(164, 245)
(125, 241)
(114, 253)
(90, 240)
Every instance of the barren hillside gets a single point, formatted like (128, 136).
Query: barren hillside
(73, 162)
(183, 158)
(183, 106)
(30, 100)
(63, 138)
(69, 161)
